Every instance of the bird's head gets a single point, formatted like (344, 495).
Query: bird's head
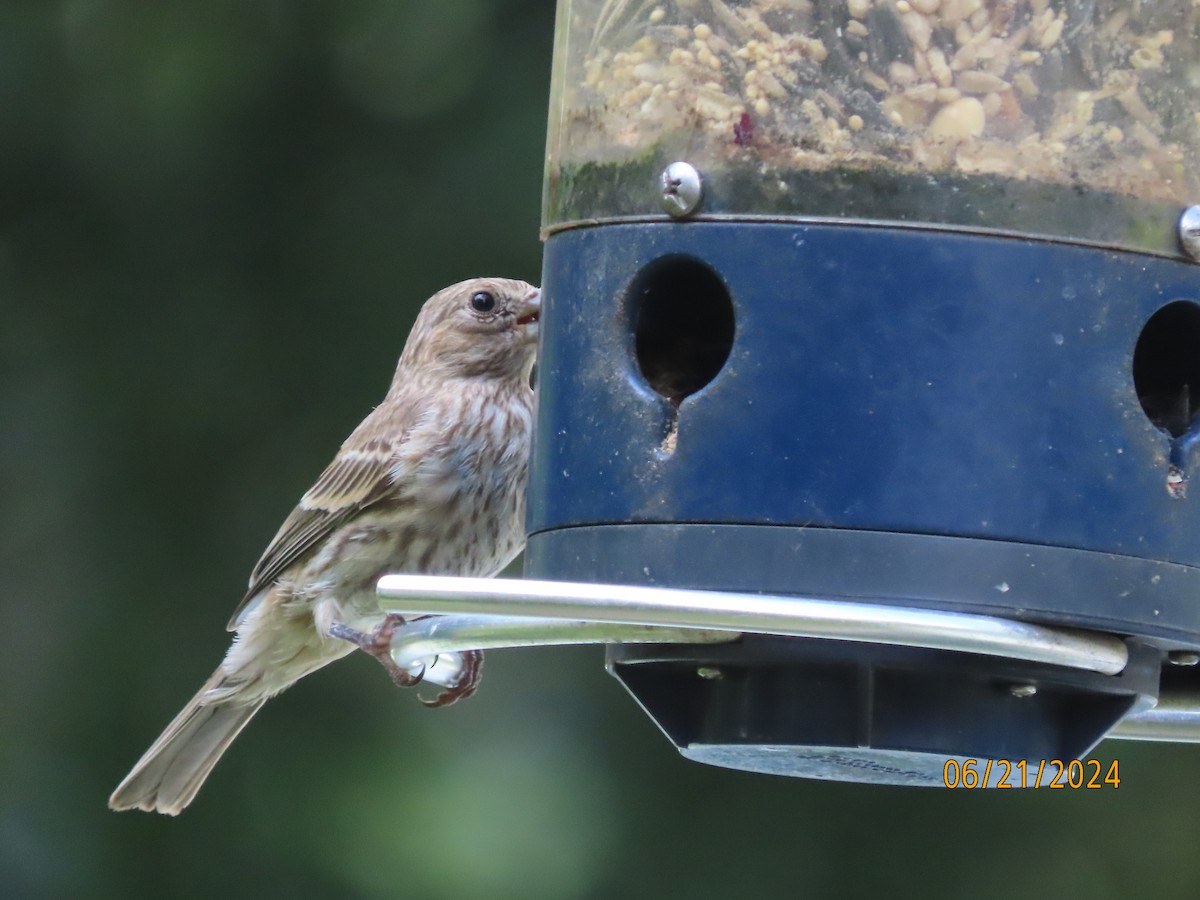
(482, 326)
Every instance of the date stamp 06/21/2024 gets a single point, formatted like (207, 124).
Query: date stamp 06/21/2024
(1055, 774)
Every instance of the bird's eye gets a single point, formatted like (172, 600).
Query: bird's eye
(482, 301)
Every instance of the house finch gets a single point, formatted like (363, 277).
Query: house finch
(432, 481)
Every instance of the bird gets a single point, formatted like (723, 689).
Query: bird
(432, 481)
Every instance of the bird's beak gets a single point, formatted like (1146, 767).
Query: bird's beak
(531, 308)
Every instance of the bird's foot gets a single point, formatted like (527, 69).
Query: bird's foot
(378, 644)
(468, 681)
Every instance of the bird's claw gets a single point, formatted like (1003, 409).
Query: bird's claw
(378, 645)
(468, 681)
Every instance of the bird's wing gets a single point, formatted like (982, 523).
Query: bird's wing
(362, 473)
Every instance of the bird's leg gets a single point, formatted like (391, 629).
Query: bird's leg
(468, 681)
(378, 644)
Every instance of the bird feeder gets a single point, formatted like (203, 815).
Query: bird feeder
(870, 364)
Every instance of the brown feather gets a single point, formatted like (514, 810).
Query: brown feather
(432, 480)
(360, 475)
(168, 775)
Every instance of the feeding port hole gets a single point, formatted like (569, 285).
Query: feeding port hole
(1166, 367)
(683, 325)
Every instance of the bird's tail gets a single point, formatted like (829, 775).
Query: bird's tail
(170, 773)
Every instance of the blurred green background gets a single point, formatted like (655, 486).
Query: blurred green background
(216, 223)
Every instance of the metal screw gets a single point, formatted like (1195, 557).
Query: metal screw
(710, 673)
(680, 185)
(1183, 657)
(1189, 232)
(1023, 690)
